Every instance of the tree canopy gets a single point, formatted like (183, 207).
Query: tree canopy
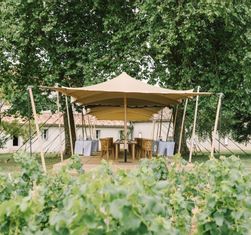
(178, 44)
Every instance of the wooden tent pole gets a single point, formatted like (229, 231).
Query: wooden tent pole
(160, 128)
(153, 128)
(69, 123)
(75, 123)
(37, 128)
(194, 125)
(216, 125)
(59, 127)
(89, 126)
(125, 129)
(175, 118)
(182, 125)
(169, 126)
(82, 122)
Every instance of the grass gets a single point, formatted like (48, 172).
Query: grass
(8, 165)
(245, 158)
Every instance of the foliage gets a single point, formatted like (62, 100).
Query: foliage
(201, 43)
(208, 198)
(158, 168)
(177, 44)
(31, 173)
(76, 164)
(16, 128)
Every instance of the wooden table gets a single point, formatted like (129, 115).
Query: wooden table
(129, 142)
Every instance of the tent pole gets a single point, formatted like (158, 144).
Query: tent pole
(194, 125)
(82, 122)
(37, 127)
(125, 129)
(29, 113)
(216, 125)
(182, 126)
(89, 126)
(69, 123)
(175, 119)
(169, 126)
(160, 128)
(157, 133)
(153, 128)
(59, 127)
(75, 124)
(94, 129)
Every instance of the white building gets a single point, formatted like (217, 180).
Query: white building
(52, 140)
(96, 129)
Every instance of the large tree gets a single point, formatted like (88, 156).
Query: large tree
(202, 43)
(48, 42)
(178, 44)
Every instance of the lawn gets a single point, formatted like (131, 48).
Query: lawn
(8, 165)
(245, 158)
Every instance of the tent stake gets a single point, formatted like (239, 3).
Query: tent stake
(182, 125)
(194, 125)
(37, 128)
(125, 128)
(69, 123)
(216, 125)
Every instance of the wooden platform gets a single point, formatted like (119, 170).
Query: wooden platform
(90, 163)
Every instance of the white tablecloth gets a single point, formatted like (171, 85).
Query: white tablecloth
(94, 146)
(163, 148)
(83, 147)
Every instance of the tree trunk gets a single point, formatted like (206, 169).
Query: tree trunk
(67, 152)
(184, 149)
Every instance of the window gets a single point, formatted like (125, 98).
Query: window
(15, 140)
(45, 134)
(98, 134)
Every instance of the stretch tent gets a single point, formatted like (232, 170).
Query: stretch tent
(117, 113)
(127, 92)
(137, 93)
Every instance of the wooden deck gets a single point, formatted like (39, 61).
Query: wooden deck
(90, 163)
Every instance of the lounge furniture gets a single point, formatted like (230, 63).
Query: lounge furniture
(147, 148)
(138, 147)
(131, 147)
(107, 147)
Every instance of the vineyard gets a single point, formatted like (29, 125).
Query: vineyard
(213, 197)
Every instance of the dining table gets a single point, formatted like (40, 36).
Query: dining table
(131, 143)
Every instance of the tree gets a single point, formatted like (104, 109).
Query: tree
(205, 43)
(178, 44)
(48, 42)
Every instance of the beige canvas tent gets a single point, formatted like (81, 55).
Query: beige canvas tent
(117, 113)
(124, 96)
(137, 93)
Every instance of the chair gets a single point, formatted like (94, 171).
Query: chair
(147, 148)
(138, 147)
(106, 147)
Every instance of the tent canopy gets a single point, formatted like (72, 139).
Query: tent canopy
(137, 93)
(117, 113)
